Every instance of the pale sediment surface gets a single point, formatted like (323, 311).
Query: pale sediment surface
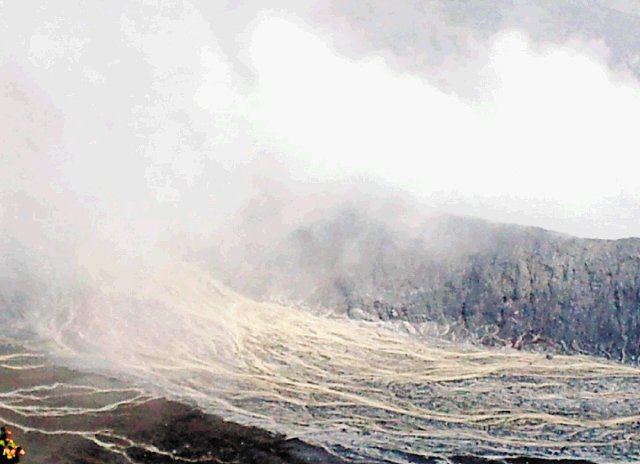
(64, 416)
(358, 389)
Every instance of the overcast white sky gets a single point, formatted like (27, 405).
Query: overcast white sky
(553, 127)
(119, 119)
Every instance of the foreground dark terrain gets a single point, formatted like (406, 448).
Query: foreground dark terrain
(162, 431)
(64, 416)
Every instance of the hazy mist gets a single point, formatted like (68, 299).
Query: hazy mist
(145, 131)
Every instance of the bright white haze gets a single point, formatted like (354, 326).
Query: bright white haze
(553, 138)
(124, 126)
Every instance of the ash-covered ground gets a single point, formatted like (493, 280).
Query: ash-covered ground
(65, 416)
(354, 390)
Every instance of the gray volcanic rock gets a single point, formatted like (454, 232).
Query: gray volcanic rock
(505, 284)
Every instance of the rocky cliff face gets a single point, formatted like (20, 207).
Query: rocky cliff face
(505, 284)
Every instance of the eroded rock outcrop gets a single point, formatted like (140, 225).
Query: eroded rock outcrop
(505, 284)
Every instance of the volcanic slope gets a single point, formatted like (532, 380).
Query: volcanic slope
(504, 284)
(357, 388)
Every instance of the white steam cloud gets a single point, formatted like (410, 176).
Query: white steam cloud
(128, 126)
(555, 129)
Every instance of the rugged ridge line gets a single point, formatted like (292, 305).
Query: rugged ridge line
(505, 284)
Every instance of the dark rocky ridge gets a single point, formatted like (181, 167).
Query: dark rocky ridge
(504, 284)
